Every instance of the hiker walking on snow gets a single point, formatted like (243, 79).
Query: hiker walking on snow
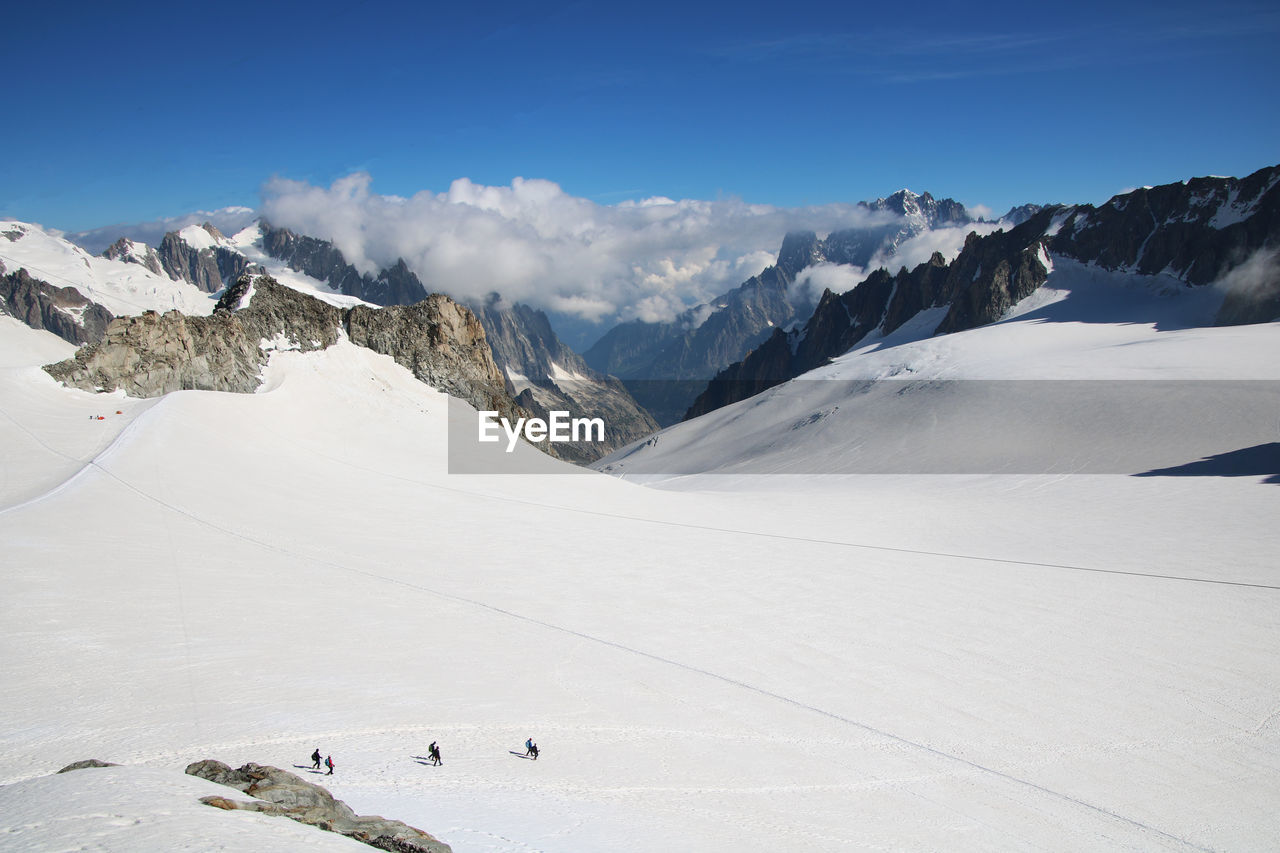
(529, 748)
(315, 759)
(328, 762)
(434, 752)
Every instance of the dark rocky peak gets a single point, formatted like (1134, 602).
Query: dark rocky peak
(1021, 213)
(214, 232)
(130, 252)
(321, 260)
(990, 275)
(121, 249)
(523, 341)
(395, 285)
(206, 268)
(61, 310)
(1197, 230)
(547, 375)
(923, 209)
(800, 249)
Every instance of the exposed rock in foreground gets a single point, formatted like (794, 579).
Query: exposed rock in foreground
(440, 341)
(280, 792)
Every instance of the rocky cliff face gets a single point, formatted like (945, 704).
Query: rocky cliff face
(320, 259)
(549, 376)
(440, 341)
(1199, 230)
(61, 310)
(209, 268)
(708, 338)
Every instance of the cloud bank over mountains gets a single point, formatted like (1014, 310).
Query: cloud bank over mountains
(534, 243)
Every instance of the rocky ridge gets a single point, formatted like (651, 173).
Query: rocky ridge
(440, 341)
(321, 260)
(61, 310)
(1198, 230)
(547, 374)
(279, 792)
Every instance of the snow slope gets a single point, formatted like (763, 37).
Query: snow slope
(127, 289)
(726, 664)
(1095, 372)
(122, 288)
(142, 808)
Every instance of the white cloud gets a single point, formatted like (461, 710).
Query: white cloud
(918, 249)
(838, 278)
(534, 243)
(1258, 278)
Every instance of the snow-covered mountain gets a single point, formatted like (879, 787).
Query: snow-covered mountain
(1096, 372)
(1189, 234)
(987, 655)
(194, 265)
(723, 664)
(539, 366)
(665, 364)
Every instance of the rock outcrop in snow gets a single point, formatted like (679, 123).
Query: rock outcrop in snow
(131, 252)
(440, 341)
(279, 792)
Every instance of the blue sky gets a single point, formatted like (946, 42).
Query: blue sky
(130, 112)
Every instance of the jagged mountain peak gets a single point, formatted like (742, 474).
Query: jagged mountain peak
(800, 249)
(1193, 232)
(922, 208)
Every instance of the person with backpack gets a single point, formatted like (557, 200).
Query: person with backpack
(315, 759)
(328, 762)
(434, 752)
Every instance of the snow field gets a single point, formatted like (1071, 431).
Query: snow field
(720, 664)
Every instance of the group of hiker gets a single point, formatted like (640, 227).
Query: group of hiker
(433, 755)
(328, 761)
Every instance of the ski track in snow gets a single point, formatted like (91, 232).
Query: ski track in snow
(912, 744)
(1016, 796)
